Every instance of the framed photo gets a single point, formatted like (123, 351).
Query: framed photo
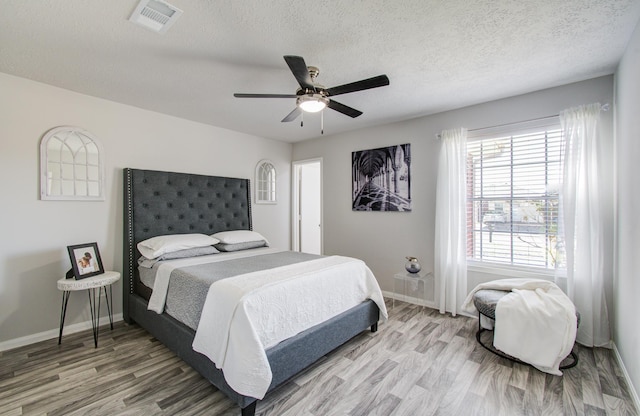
(381, 179)
(85, 260)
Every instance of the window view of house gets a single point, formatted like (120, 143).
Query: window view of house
(512, 209)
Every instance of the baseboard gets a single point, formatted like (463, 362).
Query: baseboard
(415, 301)
(421, 302)
(632, 390)
(52, 333)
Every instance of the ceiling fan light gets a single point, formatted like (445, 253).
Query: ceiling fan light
(312, 103)
(312, 106)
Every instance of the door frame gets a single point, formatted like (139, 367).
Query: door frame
(295, 203)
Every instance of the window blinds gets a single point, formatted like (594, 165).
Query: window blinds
(513, 183)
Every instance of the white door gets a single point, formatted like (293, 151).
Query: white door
(308, 206)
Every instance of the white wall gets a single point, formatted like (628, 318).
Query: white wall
(626, 325)
(383, 239)
(35, 233)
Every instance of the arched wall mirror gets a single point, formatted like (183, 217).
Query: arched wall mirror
(265, 182)
(71, 165)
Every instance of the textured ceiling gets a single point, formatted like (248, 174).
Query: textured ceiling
(438, 55)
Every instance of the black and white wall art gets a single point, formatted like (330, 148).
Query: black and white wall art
(381, 179)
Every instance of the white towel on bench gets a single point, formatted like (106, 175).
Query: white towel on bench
(535, 323)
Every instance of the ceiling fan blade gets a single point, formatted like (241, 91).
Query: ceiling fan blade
(300, 71)
(292, 115)
(365, 84)
(238, 95)
(341, 108)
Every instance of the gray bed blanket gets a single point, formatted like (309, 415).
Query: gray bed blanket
(188, 286)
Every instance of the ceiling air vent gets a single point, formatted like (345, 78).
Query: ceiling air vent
(155, 15)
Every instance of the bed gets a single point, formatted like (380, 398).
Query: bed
(160, 203)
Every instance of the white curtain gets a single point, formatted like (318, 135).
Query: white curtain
(451, 226)
(582, 223)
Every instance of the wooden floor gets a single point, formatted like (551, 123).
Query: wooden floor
(416, 364)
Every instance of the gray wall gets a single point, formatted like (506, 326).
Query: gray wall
(383, 239)
(626, 325)
(35, 233)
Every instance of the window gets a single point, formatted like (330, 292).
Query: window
(71, 166)
(513, 181)
(265, 182)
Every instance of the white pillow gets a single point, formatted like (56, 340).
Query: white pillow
(239, 236)
(163, 244)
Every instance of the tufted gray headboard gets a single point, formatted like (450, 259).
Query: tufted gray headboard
(158, 203)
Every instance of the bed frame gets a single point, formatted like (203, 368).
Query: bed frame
(159, 203)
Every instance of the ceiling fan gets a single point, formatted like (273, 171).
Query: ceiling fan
(312, 97)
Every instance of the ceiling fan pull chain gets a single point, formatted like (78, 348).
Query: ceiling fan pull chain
(302, 119)
(322, 122)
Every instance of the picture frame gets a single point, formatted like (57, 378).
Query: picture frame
(85, 260)
(381, 179)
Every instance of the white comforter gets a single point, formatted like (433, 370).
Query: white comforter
(244, 315)
(536, 322)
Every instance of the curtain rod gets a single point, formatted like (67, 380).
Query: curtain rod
(515, 122)
(604, 107)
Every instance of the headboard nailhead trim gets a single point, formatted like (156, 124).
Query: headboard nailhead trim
(130, 229)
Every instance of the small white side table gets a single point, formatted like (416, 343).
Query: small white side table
(416, 283)
(90, 284)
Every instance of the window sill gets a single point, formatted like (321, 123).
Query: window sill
(510, 271)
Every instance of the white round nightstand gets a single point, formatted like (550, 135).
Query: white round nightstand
(90, 284)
